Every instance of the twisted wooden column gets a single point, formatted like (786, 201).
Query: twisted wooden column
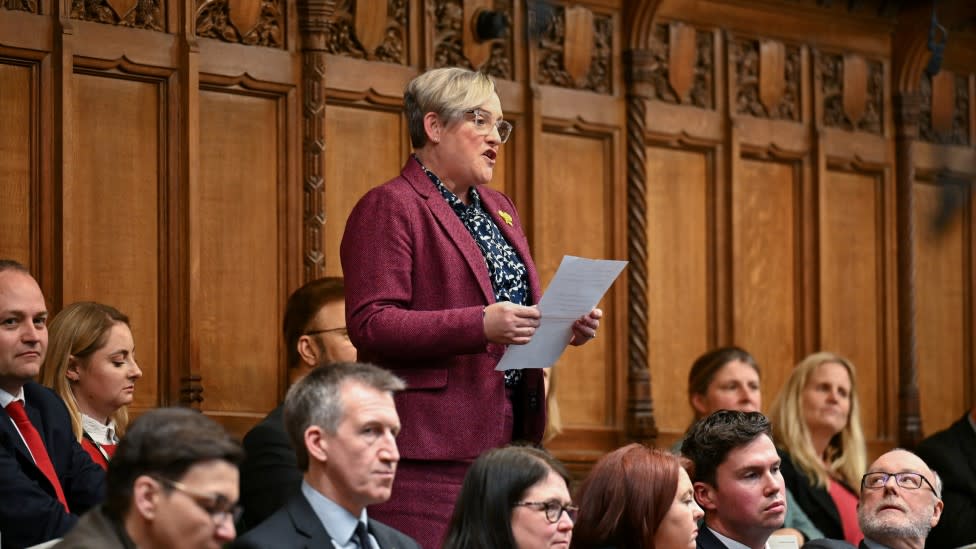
(640, 406)
(906, 106)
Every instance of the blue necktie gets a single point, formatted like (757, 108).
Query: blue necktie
(362, 538)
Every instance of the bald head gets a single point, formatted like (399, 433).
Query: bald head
(900, 500)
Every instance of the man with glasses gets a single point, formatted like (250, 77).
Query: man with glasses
(315, 333)
(343, 424)
(901, 501)
(172, 483)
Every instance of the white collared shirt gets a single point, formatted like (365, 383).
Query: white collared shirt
(5, 399)
(731, 543)
(99, 432)
(340, 523)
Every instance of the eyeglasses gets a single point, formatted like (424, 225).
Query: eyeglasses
(484, 122)
(216, 505)
(341, 330)
(553, 509)
(908, 481)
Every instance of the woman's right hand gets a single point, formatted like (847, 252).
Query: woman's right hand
(510, 324)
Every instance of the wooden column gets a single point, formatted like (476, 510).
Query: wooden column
(906, 106)
(313, 16)
(641, 426)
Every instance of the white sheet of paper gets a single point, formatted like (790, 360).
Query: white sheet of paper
(782, 542)
(577, 287)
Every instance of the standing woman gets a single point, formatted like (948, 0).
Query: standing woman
(91, 365)
(817, 428)
(439, 279)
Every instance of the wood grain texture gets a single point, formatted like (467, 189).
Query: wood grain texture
(678, 246)
(573, 221)
(240, 257)
(18, 92)
(110, 223)
(851, 283)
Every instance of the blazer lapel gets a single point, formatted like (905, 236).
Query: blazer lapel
(11, 432)
(307, 523)
(451, 224)
(963, 432)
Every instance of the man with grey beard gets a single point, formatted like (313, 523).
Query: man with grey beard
(901, 501)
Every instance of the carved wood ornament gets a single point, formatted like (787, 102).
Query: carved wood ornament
(768, 79)
(677, 75)
(559, 50)
(19, 5)
(454, 40)
(852, 91)
(378, 34)
(248, 22)
(944, 109)
(139, 14)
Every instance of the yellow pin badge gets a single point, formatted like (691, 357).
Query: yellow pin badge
(506, 216)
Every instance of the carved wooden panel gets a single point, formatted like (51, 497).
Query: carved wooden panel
(764, 319)
(678, 250)
(340, 34)
(18, 90)
(216, 19)
(371, 156)
(22, 5)
(140, 14)
(111, 223)
(447, 20)
(239, 252)
(745, 58)
(831, 76)
(552, 49)
(959, 132)
(700, 70)
(586, 393)
(944, 310)
(852, 284)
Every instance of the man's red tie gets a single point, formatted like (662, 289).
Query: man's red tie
(36, 445)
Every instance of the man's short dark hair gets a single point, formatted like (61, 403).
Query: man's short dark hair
(164, 443)
(711, 438)
(316, 399)
(12, 265)
(302, 307)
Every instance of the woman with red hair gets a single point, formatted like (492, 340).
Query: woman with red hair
(637, 498)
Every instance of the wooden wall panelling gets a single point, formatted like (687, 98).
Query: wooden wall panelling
(574, 213)
(243, 263)
(111, 195)
(19, 95)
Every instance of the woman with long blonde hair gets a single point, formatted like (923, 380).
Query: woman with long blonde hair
(817, 428)
(91, 365)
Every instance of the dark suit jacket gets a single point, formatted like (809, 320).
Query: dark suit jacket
(296, 526)
(707, 540)
(952, 454)
(31, 513)
(815, 501)
(269, 474)
(416, 288)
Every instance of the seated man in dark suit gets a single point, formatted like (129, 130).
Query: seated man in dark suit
(47, 478)
(899, 504)
(737, 479)
(171, 483)
(342, 421)
(315, 333)
(952, 454)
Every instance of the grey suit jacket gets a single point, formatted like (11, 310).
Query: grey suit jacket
(707, 540)
(828, 544)
(296, 526)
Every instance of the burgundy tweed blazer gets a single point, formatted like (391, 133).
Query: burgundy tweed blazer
(416, 287)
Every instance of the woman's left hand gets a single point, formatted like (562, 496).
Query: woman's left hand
(584, 329)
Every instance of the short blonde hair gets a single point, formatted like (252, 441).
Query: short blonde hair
(77, 331)
(846, 454)
(447, 92)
